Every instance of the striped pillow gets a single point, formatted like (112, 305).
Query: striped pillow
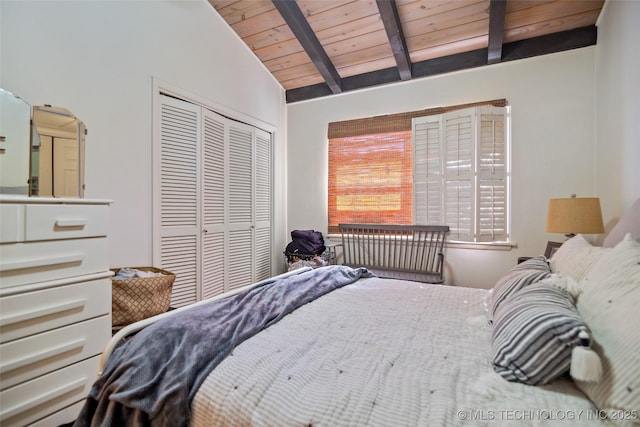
(609, 303)
(523, 274)
(534, 332)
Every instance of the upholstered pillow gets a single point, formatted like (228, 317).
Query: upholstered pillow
(610, 305)
(516, 278)
(534, 332)
(575, 257)
(629, 223)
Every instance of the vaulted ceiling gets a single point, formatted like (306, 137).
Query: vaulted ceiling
(318, 48)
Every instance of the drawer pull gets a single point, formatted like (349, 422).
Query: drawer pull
(51, 352)
(41, 262)
(43, 398)
(75, 223)
(45, 311)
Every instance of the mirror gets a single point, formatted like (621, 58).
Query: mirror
(41, 149)
(15, 138)
(57, 153)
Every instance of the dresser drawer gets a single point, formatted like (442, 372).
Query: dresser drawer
(34, 312)
(27, 358)
(12, 224)
(35, 399)
(25, 263)
(54, 222)
(63, 416)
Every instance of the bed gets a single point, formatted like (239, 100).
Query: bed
(343, 347)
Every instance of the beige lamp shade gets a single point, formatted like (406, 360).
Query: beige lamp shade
(575, 215)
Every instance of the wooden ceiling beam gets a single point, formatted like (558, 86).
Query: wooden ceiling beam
(393, 27)
(300, 27)
(497, 11)
(542, 45)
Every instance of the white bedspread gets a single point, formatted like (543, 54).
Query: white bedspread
(380, 352)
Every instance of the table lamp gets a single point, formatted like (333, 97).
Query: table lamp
(575, 215)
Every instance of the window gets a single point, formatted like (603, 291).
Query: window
(461, 173)
(449, 168)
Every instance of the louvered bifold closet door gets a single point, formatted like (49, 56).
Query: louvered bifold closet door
(214, 154)
(262, 205)
(427, 170)
(240, 251)
(459, 206)
(492, 174)
(179, 188)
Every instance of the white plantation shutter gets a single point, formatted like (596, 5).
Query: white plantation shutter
(459, 212)
(179, 196)
(427, 170)
(492, 174)
(461, 173)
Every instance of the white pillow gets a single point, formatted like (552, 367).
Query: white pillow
(610, 305)
(575, 258)
(629, 223)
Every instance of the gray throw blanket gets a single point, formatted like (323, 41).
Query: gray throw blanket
(152, 378)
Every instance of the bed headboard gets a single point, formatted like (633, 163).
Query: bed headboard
(409, 252)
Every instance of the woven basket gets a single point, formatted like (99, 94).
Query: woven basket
(140, 297)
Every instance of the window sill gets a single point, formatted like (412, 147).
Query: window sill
(491, 246)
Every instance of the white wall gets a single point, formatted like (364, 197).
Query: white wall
(618, 108)
(98, 58)
(553, 114)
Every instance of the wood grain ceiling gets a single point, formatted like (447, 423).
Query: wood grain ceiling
(321, 47)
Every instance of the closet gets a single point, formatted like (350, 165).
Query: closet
(212, 200)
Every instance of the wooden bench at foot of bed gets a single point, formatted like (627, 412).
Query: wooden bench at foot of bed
(409, 252)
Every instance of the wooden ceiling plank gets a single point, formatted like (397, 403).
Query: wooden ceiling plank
(270, 37)
(289, 61)
(459, 46)
(236, 11)
(220, 5)
(297, 22)
(367, 67)
(430, 13)
(258, 23)
(497, 12)
(429, 10)
(340, 15)
(305, 72)
(373, 53)
(513, 6)
(449, 19)
(448, 35)
(550, 11)
(553, 26)
(279, 50)
(393, 27)
(315, 7)
(358, 27)
(355, 44)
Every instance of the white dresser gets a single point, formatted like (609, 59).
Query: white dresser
(55, 306)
